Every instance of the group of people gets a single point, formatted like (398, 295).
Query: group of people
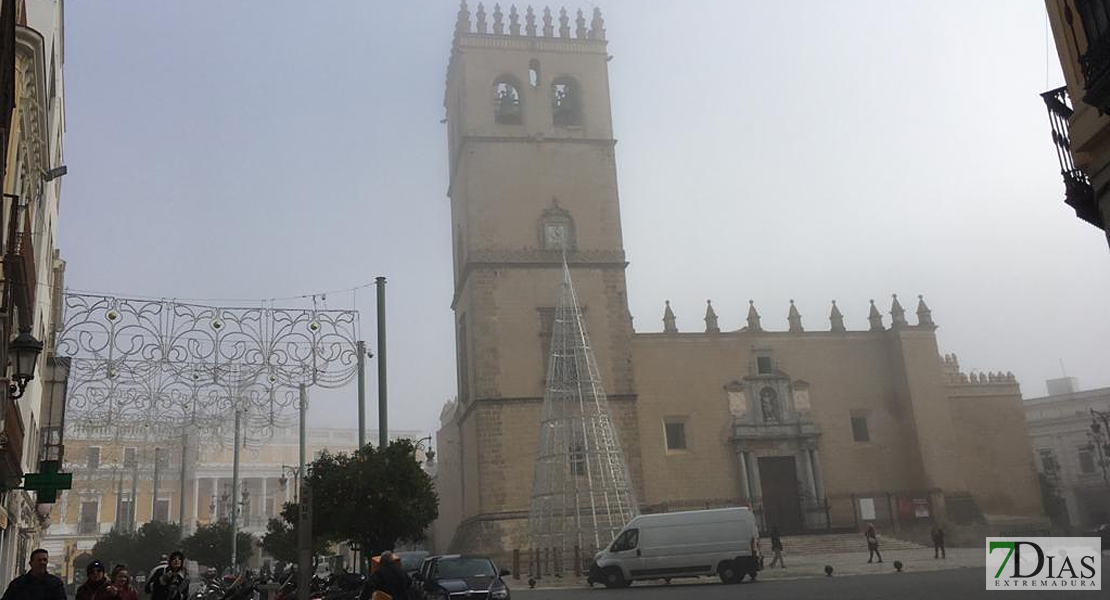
(872, 537)
(167, 581)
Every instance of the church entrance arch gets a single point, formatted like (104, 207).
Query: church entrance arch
(782, 502)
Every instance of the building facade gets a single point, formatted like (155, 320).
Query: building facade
(814, 428)
(115, 474)
(1066, 452)
(1078, 110)
(31, 129)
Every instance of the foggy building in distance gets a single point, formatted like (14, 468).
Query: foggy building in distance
(1066, 453)
(114, 480)
(1078, 111)
(814, 426)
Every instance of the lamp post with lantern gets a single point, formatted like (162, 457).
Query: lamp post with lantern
(1099, 437)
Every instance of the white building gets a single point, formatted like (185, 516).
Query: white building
(1060, 428)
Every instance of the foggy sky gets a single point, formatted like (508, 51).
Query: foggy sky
(813, 150)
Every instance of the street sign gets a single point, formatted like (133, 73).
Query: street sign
(47, 483)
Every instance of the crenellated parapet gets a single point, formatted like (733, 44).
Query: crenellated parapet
(478, 23)
(950, 365)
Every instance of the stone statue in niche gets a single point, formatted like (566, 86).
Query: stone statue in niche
(768, 401)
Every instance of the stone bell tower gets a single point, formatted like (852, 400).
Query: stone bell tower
(532, 176)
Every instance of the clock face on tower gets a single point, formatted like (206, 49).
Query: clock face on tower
(555, 236)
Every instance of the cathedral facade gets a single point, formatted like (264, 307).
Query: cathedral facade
(815, 427)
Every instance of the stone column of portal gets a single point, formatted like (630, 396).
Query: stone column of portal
(744, 475)
(818, 483)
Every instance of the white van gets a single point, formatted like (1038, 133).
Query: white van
(722, 542)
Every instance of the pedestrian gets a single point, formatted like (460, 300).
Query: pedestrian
(390, 579)
(938, 543)
(120, 586)
(95, 583)
(162, 562)
(776, 548)
(170, 582)
(872, 544)
(36, 584)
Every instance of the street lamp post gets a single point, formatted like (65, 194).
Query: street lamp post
(1099, 435)
(283, 480)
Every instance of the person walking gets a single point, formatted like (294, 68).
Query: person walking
(170, 582)
(776, 548)
(119, 587)
(95, 583)
(872, 544)
(390, 579)
(938, 543)
(36, 584)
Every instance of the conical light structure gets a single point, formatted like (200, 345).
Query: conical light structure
(581, 493)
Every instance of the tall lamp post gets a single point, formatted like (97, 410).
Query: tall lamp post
(1099, 435)
(283, 480)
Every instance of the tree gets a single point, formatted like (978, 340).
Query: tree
(282, 536)
(138, 550)
(210, 545)
(372, 497)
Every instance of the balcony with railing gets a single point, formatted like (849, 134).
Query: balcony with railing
(1078, 192)
(19, 262)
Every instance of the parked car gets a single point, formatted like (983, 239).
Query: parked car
(464, 576)
(722, 542)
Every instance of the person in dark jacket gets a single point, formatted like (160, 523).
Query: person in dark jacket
(776, 548)
(95, 584)
(170, 582)
(872, 544)
(389, 578)
(938, 543)
(36, 584)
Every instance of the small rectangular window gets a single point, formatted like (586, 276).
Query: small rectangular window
(859, 429)
(129, 457)
(676, 436)
(1048, 461)
(1086, 461)
(92, 457)
(763, 364)
(162, 511)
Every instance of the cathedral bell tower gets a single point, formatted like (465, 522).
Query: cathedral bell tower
(532, 178)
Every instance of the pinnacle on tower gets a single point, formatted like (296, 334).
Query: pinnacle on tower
(580, 26)
(462, 22)
(924, 315)
(876, 318)
(668, 319)
(498, 22)
(836, 320)
(530, 22)
(564, 23)
(897, 314)
(481, 18)
(711, 318)
(548, 28)
(753, 317)
(581, 490)
(514, 21)
(597, 26)
(795, 319)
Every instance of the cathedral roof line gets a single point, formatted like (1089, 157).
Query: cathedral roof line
(794, 320)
